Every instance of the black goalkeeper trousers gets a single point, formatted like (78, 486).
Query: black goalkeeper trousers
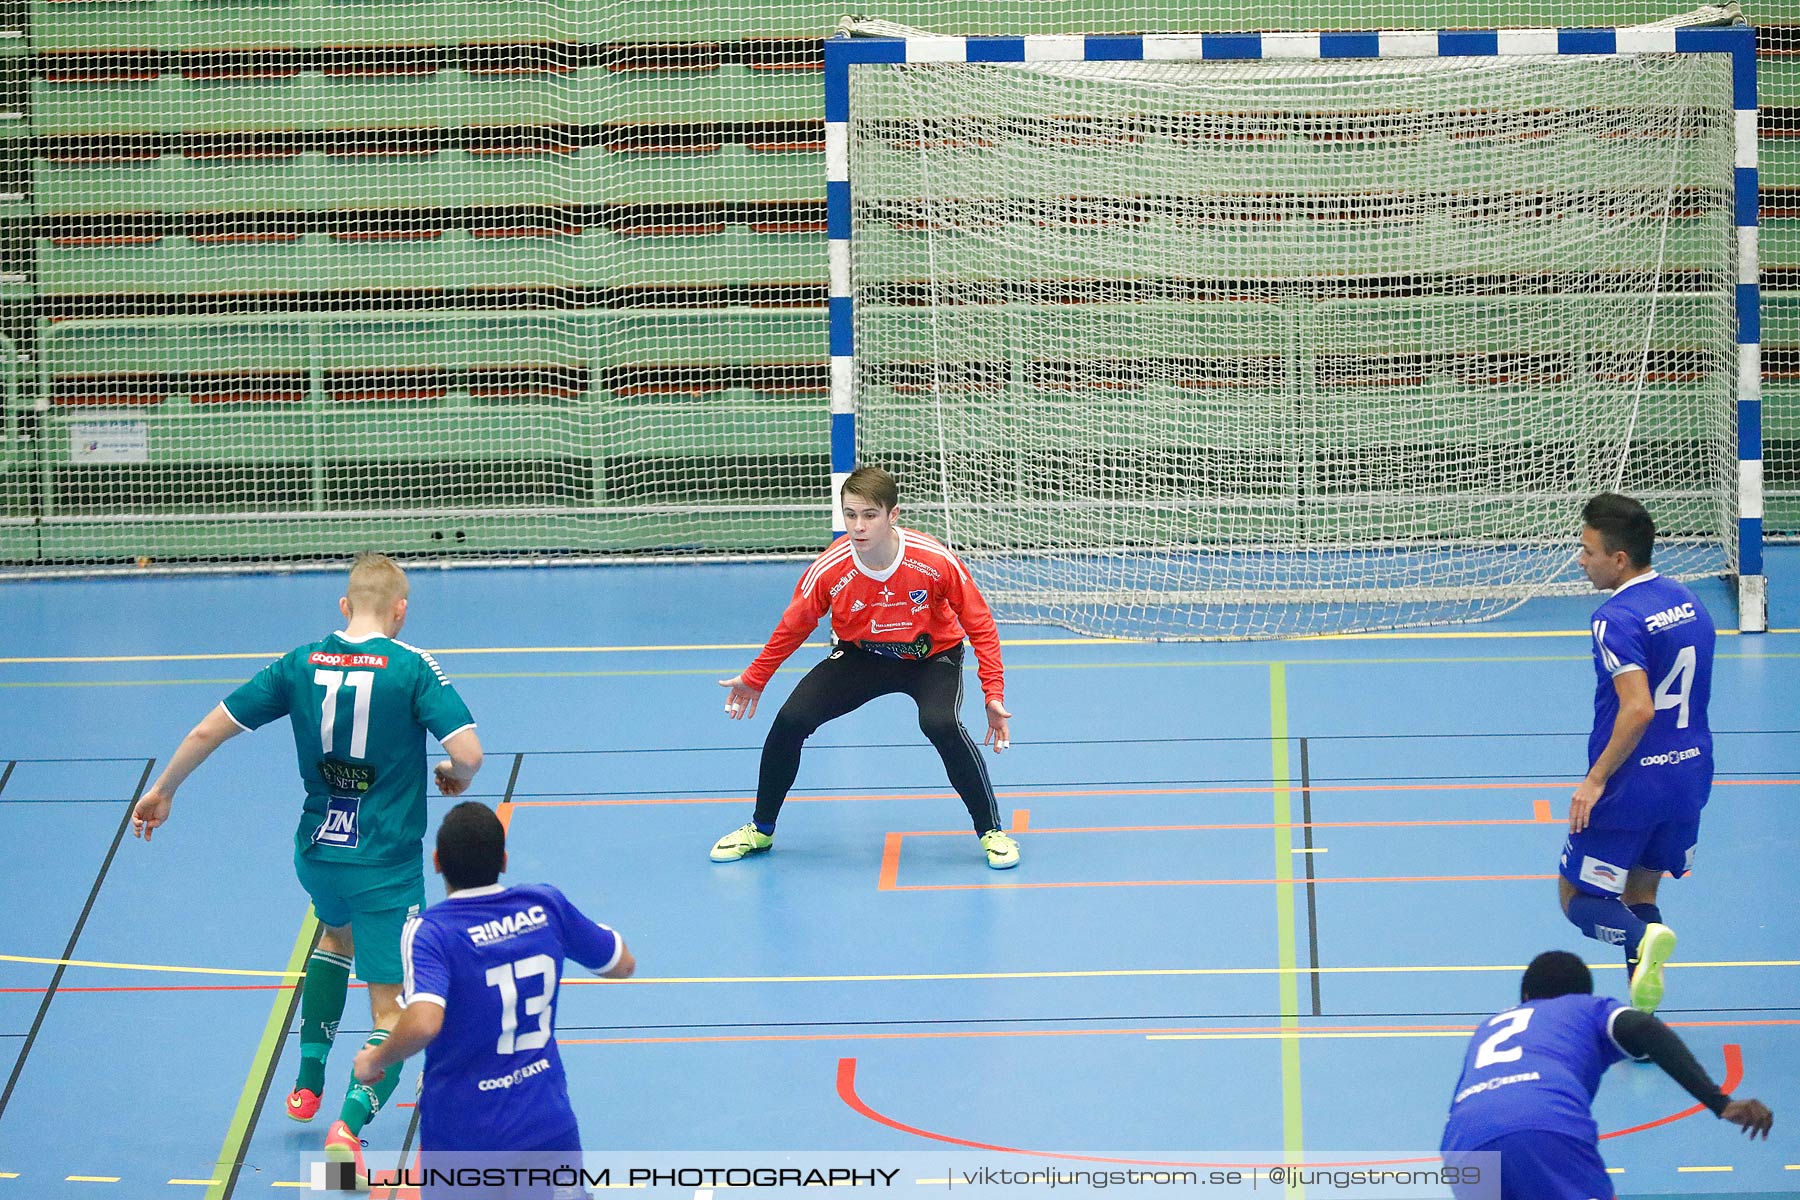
(848, 679)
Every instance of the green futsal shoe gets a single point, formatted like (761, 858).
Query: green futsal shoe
(742, 841)
(1002, 851)
(1647, 976)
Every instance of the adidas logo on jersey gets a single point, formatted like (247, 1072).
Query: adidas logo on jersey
(501, 928)
(858, 606)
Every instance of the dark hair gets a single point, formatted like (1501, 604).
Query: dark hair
(1623, 524)
(1556, 973)
(471, 846)
(872, 483)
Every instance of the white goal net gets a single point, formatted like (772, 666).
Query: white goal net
(1269, 348)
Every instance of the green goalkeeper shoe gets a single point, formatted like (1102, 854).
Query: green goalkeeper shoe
(1647, 976)
(1002, 851)
(742, 841)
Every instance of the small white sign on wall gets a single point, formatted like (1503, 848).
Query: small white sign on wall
(109, 442)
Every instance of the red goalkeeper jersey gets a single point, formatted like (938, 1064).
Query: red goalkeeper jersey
(922, 604)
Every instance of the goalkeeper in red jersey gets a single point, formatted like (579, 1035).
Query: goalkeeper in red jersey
(900, 605)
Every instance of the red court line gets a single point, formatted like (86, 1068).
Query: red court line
(846, 1090)
(1540, 812)
(1256, 790)
(1021, 820)
(1734, 1075)
(1302, 881)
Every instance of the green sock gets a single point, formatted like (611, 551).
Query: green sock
(363, 1101)
(321, 1007)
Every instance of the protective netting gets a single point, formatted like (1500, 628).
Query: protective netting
(1274, 348)
(284, 279)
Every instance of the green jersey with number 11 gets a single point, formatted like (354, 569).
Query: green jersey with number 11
(360, 709)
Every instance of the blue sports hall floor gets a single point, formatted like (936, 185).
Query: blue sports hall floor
(1267, 888)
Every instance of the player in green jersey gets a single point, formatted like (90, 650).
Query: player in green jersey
(360, 704)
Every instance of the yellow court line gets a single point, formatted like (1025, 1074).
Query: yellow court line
(90, 1178)
(119, 966)
(946, 976)
(1698, 1170)
(197, 1182)
(15, 1174)
(1421, 635)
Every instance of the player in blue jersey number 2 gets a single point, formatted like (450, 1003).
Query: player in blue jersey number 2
(1650, 761)
(482, 969)
(1529, 1079)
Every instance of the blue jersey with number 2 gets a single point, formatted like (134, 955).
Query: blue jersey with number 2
(1655, 625)
(1534, 1067)
(492, 959)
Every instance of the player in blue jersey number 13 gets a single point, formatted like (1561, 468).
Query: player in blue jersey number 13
(482, 969)
(1650, 761)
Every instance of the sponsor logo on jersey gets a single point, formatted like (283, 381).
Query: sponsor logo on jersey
(887, 600)
(346, 778)
(1669, 757)
(501, 1082)
(339, 828)
(501, 928)
(923, 568)
(1681, 614)
(858, 606)
(1488, 1085)
(888, 626)
(321, 658)
(841, 584)
(1601, 874)
(918, 596)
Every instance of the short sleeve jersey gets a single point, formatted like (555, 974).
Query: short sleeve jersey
(1535, 1067)
(1656, 625)
(492, 959)
(360, 710)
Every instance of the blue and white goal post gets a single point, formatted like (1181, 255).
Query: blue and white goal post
(1241, 334)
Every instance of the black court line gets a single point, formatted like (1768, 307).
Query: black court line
(412, 1131)
(512, 781)
(1312, 899)
(262, 1093)
(74, 936)
(6, 775)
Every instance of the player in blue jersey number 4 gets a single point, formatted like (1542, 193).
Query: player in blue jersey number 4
(482, 969)
(1650, 761)
(1530, 1075)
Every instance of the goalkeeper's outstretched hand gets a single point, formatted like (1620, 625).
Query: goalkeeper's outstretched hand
(999, 734)
(741, 702)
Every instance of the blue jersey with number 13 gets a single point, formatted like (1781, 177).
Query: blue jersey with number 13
(492, 959)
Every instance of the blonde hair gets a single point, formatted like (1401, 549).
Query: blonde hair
(375, 582)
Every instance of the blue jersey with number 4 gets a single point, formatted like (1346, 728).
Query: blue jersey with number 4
(1655, 625)
(492, 959)
(1534, 1067)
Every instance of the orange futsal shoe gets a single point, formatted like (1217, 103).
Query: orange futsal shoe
(302, 1105)
(342, 1146)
